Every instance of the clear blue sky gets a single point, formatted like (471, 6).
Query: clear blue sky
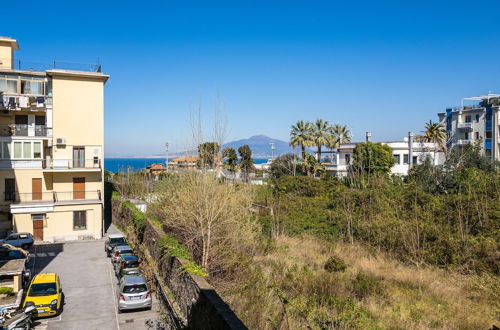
(387, 67)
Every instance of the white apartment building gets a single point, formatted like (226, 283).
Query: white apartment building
(343, 156)
(475, 123)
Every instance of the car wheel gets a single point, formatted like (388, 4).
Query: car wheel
(119, 311)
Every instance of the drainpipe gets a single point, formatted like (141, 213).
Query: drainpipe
(368, 136)
(410, 149)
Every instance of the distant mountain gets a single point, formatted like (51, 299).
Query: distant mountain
(260, 145)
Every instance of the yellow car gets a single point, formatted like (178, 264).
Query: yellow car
(45, 294)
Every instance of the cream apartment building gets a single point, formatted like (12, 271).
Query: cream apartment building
(51, 150)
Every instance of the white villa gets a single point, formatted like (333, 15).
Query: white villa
(342, 156)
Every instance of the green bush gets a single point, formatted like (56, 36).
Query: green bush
(138, 219)
(173, 248)
(365, 285)
(6, 290)
(335, 264)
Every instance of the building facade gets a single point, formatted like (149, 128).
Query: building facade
(343, 156)
(476, 123)
(51, 150)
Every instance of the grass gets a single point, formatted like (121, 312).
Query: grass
(6, 290)
(290, 285)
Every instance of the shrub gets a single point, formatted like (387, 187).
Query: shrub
(173, 248)
(6, 290)
(138, 219)
(335, 264)
(365, 285)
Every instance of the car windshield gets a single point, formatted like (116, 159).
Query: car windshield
(117, 240)
(42, 289)
(138, 288)
(132, 264)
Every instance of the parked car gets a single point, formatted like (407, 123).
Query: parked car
(45, 293)
(112, 241)
(133, 293)
(10, 252)
(121, 250)
(22, 240)
(127, 265)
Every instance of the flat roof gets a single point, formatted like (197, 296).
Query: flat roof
(14, 43)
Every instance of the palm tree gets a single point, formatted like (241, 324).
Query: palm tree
(322, 136)
(342, 134)
(301, 135)
(435, 132)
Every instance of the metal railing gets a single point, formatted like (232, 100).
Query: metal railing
(61, 164)
(52, 196)
(57, 64)
(19, 102)
(24, 130)
(465, 125)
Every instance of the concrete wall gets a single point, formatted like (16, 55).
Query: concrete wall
(6, 55)
(196, 298)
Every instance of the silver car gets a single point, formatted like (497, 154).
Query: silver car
(133, 293)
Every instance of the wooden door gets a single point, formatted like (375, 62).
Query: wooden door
(36, 189)
(38, 230)
(78, 188)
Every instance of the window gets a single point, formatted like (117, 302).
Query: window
(27, 150)
(466, 136)
(35, 217)
(10, 189)
(488, 134)
(477, 135)
(6, 146)
(414, 160)
(406, 158)
(488, 116)
(8, 86)
(477, 118)
(397, 159)
(18, 147)
(37, 150)
(31, 87)
(468, 119)
(79, 220)
(78, 157)
(348, 159)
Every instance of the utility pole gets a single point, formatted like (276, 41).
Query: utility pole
(166, 149)
(410, 149)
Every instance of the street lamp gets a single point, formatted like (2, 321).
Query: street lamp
(166, 149)
(272, 150)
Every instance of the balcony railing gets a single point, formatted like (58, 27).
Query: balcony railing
(25, 130)
(19, 102)
(463, 142)
(73, 164)
(464, 125)
(21, 163)
(52, 197)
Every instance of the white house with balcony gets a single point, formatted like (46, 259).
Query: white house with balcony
(342, 156)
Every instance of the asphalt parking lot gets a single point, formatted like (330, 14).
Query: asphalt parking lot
(89, 286)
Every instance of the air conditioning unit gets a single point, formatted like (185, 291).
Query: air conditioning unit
(60, 141)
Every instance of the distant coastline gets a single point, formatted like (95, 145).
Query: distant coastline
(116, 164)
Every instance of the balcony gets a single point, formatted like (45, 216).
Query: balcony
(463, 142)
(25, 130)
(21, 164)
(18, 102)
(465, 126)
(53, 197)
(73, 165)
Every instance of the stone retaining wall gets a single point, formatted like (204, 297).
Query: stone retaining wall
(196, 298)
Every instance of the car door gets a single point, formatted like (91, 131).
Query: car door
(13, 239)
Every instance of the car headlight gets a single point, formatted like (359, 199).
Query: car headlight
(53, 304)
(30, 303)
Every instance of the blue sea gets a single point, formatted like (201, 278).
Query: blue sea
(136, 164)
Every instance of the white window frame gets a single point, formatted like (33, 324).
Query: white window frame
(32, 154)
